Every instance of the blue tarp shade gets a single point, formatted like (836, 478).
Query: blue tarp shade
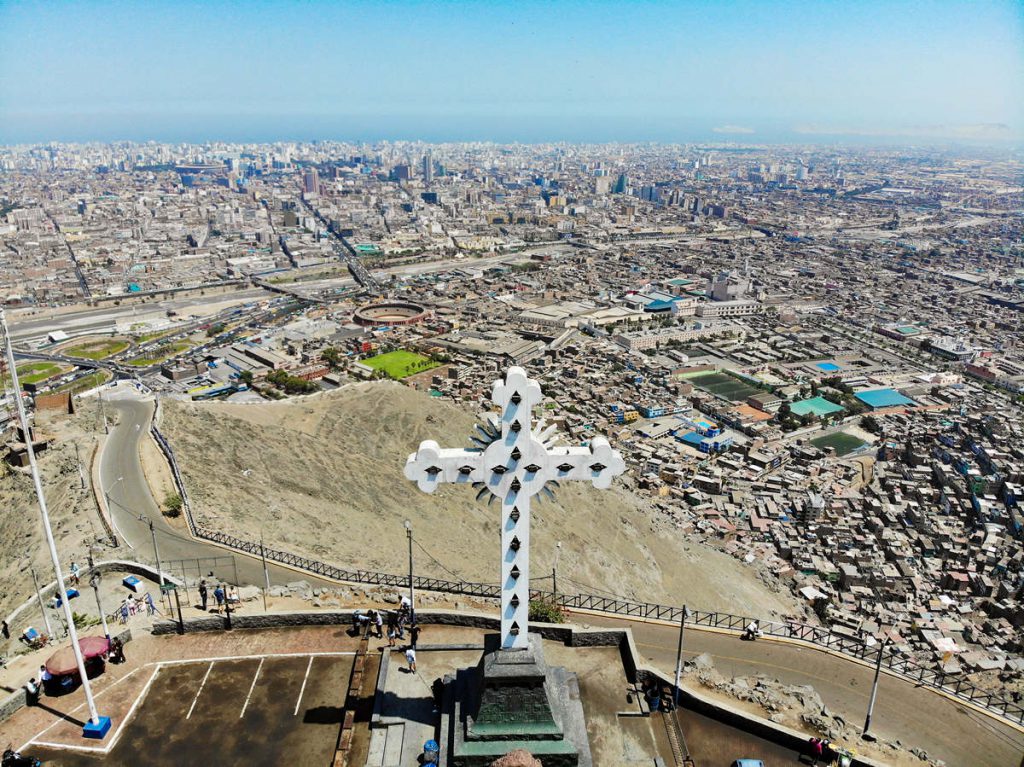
(883, 398)
(816, 406)
(658, 306)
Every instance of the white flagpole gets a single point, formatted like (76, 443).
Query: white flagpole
(65, 602)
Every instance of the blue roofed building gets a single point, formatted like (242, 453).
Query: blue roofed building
(882, 398)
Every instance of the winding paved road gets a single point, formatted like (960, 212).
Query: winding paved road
(915, 715)
(129, 496)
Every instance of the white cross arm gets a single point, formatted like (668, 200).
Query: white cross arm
(598, 463)
(433, 465)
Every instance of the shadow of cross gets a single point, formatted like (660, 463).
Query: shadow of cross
(515, 466)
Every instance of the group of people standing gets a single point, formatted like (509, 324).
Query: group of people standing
(48, 683)
(136, 604)
(397, 621)
(223, 597)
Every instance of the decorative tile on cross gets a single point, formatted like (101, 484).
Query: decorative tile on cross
(516, 465)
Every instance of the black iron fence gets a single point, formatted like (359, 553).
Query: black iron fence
(815, 636)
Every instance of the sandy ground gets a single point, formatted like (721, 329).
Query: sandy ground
(322, 476)
(73, 512)
(157, 471)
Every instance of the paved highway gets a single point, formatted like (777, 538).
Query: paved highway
(912, 714)
(103, 319)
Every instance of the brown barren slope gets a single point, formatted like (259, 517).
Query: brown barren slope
(73, 513)
(322, 476)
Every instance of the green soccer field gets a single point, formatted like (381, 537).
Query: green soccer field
(724, 386)
(400, 364)
(842, 442)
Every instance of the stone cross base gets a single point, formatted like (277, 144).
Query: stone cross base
(514, 700)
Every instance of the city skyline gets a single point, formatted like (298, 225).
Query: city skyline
(760, 73)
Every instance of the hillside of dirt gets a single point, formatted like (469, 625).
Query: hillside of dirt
(73, 512)
(322, 476)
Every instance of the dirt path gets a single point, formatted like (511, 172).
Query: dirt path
(158, 473)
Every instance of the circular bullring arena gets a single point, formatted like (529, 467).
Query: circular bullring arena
(390, 313)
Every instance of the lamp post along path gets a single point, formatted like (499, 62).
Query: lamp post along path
(412, 590)
(94, 581)
(42, 606)
(515, 465)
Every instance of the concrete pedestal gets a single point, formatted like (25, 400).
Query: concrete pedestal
(97, 730)
(514, 700)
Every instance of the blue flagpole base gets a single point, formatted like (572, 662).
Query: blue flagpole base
(97, 730)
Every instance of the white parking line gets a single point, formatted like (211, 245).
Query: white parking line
(302, 690)
(78, 708)
(112, 741)
(199, 691)
(251, 688)
(156, 666)
(62, 746)
(271, 655)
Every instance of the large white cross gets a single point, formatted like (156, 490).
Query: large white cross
(515, 467)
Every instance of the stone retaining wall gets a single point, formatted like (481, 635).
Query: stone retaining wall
(116, 565)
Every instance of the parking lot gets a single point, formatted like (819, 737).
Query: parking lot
(256, 711)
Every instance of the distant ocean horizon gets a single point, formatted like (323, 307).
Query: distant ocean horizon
(267, 129)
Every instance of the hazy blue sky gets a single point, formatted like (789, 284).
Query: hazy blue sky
(511, 70)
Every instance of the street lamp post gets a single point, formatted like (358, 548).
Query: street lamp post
(156, 554)
(97, 726)
(94, 581)
(874, 691)
(412, 592)
(81, 472)
(266, 572)
(679, 649)
(110, 513)
(103, 414)
(42, 605)
(554, 571)
(106, 493)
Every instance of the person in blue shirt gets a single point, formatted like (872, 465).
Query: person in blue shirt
(218, 596)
